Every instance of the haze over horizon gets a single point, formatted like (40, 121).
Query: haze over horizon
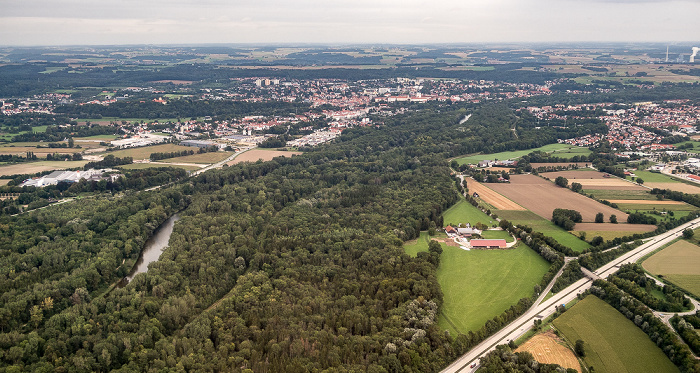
(83, 22)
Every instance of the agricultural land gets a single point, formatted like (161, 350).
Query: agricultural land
(612, 342)
(678, 263)
(547, 348)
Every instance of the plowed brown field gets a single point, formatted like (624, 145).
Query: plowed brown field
(547, 349)
(542, 197)
(491, 197)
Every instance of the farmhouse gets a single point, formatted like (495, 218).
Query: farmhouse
(488, 244)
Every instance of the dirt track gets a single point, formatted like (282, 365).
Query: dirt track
(547, 349)
(489, 196)
(542, 197)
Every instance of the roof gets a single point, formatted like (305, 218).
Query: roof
(488, 243)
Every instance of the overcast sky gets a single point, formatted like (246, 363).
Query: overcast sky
(68, 22)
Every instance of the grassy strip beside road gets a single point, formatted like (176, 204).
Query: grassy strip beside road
(612, 342)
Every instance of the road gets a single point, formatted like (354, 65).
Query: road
(541, 310)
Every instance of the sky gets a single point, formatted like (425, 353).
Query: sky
(94, 22)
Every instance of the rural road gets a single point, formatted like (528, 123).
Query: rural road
(542, 310)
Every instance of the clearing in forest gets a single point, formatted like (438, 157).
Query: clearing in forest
(491, 197)
(547, 348)
(611, 341)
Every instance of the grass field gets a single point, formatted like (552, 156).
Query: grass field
(480, 284)
(544, 226)
(678, 263)
(543, 197)
(612, 342)
(464, 212)
(497, 234)
(203, 158)
(141, 166)
(654, 177)
(560, 150)
(145, 151)
(413, 247)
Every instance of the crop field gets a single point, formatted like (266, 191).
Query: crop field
(39, 152)
(491, 197)
(547, 348)
(562, 150)
(203, 158)
(542, 197)
(612, 342)
(637, 195)
(34, 167)
(545, 227)
(560, 164)
(480, 284)
(464, 212)
(679, 263)
(264, 155)
(142, 166)
(677, 186)
(594, 180)
(609, 231)
(665, 202)
(146, 151)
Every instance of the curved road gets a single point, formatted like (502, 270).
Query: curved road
(542, 310)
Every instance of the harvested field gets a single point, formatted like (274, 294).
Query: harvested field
(542, 197)
(34, 167)
(678, 187)
(560, 164)
(612, 342)
(576, 174)
(594, 180)
(649, 202)
(265, 155)
(610, 227)
(547, 348)
(678, 263)
(491, 197)
(4, 181)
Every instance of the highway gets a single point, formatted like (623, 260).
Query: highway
(541, 310)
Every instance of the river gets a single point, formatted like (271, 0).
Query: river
(153, 248)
